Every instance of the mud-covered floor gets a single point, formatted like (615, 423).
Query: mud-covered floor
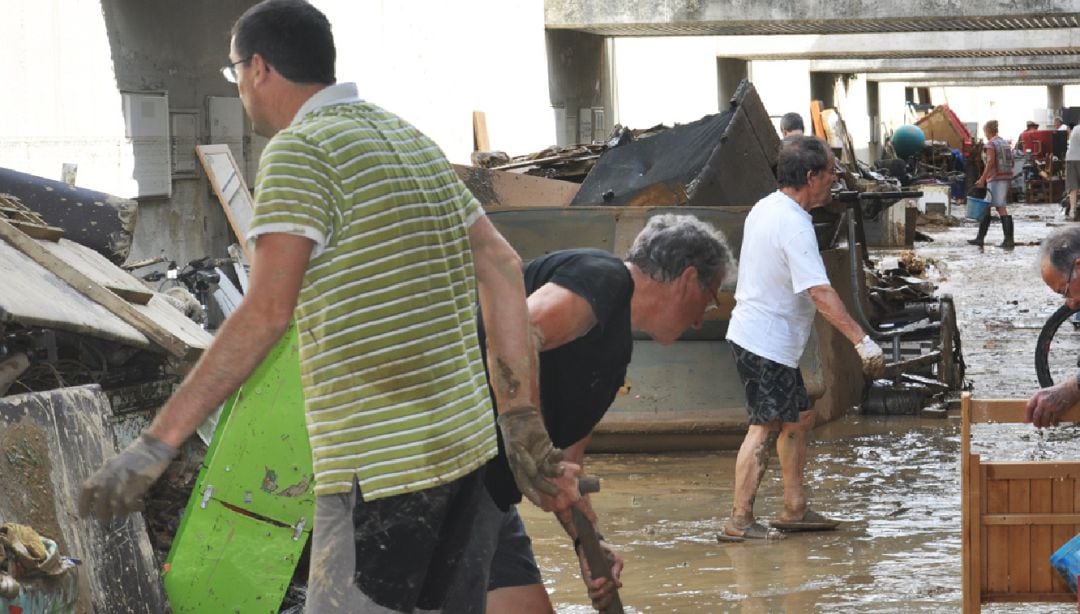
(894, 481)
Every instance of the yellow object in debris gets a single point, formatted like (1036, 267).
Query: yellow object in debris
(24, 540)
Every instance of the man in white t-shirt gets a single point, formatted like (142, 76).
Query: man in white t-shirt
(782, 284)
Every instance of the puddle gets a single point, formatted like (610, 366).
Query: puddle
(893, 481)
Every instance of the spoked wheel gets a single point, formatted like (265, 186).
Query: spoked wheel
(951, 365)
(1057, 352)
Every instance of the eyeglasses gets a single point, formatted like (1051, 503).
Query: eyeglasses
(1068, 281)
(229, 70)
(715, 294)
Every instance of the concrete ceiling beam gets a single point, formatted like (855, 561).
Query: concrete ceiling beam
(712, 17)
(1061, 41)
(1015, 63)
(988, 77)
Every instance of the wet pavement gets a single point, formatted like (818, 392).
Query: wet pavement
(893, 481)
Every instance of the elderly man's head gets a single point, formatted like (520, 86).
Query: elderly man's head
(687, 260)
(1058, 259)
(806, 165)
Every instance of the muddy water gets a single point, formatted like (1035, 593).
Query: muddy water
(894, 481)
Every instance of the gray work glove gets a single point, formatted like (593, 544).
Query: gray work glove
(873, 359)
(530, 453)
(116, 489)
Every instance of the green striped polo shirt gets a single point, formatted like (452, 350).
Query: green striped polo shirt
(394, 383)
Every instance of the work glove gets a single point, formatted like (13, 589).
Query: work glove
(116, 489)
(530, 453)
(873, 359)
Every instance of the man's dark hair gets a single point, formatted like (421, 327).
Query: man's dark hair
(1061, 248)
(292, 36)
(791, 121)
(798, 156)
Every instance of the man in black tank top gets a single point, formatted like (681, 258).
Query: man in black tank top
(584, 305)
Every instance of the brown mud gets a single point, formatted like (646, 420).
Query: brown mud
(893, 481)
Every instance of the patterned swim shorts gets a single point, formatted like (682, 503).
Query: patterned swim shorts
(773, 391)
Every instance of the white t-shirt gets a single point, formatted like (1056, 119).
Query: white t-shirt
(778, 262)
(1073, 152)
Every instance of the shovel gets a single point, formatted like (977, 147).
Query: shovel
(594, 554)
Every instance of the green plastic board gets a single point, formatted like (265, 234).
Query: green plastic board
(253, 505)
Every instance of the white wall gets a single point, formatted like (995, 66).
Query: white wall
(664, 80)
(434, 62)
(784, 87)
(60, 101)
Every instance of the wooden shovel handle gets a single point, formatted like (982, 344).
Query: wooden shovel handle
(590, 544)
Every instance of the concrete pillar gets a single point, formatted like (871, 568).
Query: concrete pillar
(1055, 98)
(873, 112)
(729, 72)
(580, 85)
(823, 88)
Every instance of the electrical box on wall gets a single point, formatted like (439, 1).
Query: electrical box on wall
(184, 136)
(146, 130)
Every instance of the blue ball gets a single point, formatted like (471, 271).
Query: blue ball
(908, 140)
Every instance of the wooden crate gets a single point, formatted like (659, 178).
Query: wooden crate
(1015, 514)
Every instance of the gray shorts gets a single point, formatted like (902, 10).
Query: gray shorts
(1072, 175)
(499, 555)
(398, 554)
(998, 192)
(774, 392)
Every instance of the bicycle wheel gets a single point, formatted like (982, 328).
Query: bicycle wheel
(1057, 352)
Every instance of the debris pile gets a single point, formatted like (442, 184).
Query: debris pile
(33, 572)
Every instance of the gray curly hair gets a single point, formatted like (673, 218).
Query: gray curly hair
(1061, 248)
(670, 243)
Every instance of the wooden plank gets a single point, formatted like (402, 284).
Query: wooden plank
(480, 132)
(496, 189)
(997, 539)
(1062, 503)
(978, 576)
(34, 296)
(37, 231)
(99, 269)
(1010, 411)
(1019, 538)
(1041, 537)
(967, 571)
(816, 123)
(1029, 598)
(228, 183)
(93, 290)
(1029, 519)
(1006, 470)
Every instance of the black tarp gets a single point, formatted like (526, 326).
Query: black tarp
(728, 158)
(100, 221)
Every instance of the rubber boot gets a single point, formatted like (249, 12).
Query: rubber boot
(1007, 228)
(984, 225)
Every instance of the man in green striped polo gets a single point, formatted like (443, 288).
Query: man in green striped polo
(364, 233)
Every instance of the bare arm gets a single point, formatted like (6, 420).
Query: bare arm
(512, 360)
(245, 338)
(830, 306)
(537, 466)
(558, 316)
(990, 167)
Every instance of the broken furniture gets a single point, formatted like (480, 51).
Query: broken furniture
(100, 221)
(51, 442)
(1014, 515)
(71, 317)
(724, 159)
